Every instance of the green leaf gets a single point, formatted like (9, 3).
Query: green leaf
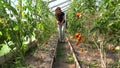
(24, 48)
(23, 14)
(9, 7)
(0, 33)
(4, 50)
(0, 20)
(16, 28)
(109, 25)
(41, 26)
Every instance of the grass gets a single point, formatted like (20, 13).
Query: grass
(70, 58)
(60, 50)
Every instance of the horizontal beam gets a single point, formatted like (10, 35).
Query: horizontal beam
(51, 1)
(59, 4)
(62, 10)
(62, 7)
(65, 5)
(65, 8)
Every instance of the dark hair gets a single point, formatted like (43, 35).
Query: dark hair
(58, 10)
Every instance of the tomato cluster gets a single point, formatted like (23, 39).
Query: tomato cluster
(77, 37)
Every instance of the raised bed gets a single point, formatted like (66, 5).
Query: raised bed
(8, 56)
(44, 55)
(89, 56)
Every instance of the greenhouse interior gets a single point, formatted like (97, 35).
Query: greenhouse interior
(59, 33)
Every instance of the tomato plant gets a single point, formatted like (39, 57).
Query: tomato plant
(98, 22)
(86, 10)
(26, 21)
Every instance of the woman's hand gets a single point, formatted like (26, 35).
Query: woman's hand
(58, 22)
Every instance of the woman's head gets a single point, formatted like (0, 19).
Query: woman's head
(58, 10)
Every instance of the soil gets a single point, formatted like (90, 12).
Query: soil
(43, 56)
(89, 56)
(51, 55)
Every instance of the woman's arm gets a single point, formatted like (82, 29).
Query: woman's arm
(58, 22)
(63, 20)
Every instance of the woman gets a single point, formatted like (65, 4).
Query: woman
(60, 17)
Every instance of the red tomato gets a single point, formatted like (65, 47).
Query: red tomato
(77, 35)
(78, 15)
(76, 44)
(79, 38)
(46, 42)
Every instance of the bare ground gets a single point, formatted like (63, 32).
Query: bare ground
(43, 56)
(89, 56)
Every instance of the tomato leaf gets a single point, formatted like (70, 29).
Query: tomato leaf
(0, 33)
(16, 28)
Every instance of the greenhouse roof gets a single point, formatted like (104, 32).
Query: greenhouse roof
(64, 4)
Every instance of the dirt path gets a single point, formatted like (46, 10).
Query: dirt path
(64, 58)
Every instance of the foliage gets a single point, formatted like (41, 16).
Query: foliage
(95, 15)
(25, 22)
(99, 22)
